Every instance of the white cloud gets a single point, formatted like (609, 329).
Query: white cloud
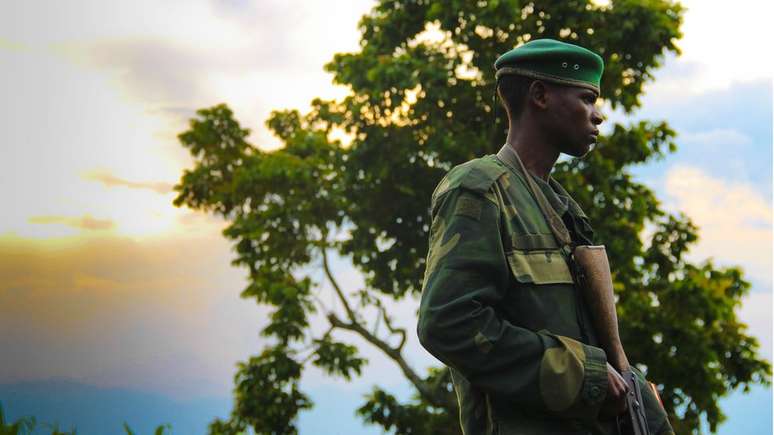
(64, 121)
(105, 86)
(722, 44)
(734, 220)
(84, 222)
(255, 56)
(42, 23)
(727, 40)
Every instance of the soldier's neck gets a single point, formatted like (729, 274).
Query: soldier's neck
(534, 150)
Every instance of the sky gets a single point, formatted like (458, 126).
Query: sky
(105, 283)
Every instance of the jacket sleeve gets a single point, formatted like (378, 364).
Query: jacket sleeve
(465, 281)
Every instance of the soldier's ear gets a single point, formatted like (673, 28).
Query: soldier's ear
(537, 95)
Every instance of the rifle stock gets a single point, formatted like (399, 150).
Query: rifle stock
(597, 287)
(593, 275)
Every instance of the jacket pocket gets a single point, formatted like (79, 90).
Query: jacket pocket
(545, 266)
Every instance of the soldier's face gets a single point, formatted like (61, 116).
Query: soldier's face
(574, 118)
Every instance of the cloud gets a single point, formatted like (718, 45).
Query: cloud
(5, 44)
(717, 137)
(726, 132)
(85, 223)
(157, 72)
(62, 122)
(711, 59)
(203, 222)
(159, 315)
(186, 55)
(756, 313)
(111, 181)
(163, 315)
(115, 83)
(734, 220)
(725, 58)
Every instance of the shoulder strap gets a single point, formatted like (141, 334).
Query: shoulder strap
(574, 207)
(509, 156)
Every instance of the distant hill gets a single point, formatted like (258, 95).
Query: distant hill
(101, 411)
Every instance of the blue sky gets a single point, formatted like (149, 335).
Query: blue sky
(106, 285)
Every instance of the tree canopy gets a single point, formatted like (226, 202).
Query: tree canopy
(421, 101)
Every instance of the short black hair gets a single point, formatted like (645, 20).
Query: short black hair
(513, 90)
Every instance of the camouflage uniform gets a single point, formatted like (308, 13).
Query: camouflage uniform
(499, 307)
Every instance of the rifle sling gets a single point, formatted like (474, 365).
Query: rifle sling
(510, 157)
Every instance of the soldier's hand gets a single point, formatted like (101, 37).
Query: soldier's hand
(615, 401)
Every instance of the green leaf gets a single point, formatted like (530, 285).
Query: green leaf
(338, 358)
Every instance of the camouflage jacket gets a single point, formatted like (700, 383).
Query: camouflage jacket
(500, 309)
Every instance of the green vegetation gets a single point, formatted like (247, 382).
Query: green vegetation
(420, 102)
(160, 429)
(26, 425)
(21, 426)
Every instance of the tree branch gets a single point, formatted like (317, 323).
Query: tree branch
(399, 331)
(335, 284)
(395, 354)
(376, 323)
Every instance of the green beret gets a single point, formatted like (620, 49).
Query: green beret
(553, 61)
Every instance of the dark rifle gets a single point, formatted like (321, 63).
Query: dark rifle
(593, 276)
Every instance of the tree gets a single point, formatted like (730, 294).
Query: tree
(421, 101)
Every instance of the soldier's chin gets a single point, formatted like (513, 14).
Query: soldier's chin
(581, 150)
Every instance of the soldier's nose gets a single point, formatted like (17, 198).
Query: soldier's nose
(597, 117)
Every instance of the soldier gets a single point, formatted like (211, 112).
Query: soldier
(499, 305)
